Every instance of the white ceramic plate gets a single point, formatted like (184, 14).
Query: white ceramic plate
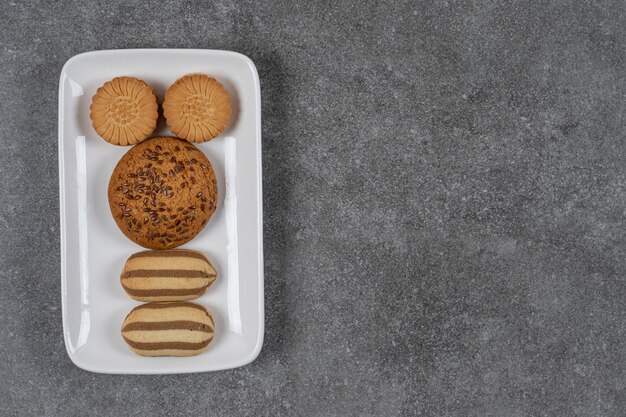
(93, 249)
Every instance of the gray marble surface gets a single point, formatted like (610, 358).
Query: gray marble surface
(444, 196)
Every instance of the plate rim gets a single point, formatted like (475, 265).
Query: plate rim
(249, 358)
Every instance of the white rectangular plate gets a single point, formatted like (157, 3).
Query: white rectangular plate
(93, 249)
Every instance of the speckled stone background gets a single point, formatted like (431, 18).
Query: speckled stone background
(444, 195)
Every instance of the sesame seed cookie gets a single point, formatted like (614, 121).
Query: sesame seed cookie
(162, 192)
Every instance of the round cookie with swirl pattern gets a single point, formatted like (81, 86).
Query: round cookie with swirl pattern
(197, 107)
(124, 111)
(162, 192)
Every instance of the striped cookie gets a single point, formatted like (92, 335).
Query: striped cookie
(167, 275)
(168, 329)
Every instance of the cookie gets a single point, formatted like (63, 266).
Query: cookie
(162, 193)
(196, 107)
(168, 329)
(167, 275)
(124, 111)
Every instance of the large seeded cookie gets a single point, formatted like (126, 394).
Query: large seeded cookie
(162, 193)
(196, 107)
(124, 111)
(167, 275)
(168, 329)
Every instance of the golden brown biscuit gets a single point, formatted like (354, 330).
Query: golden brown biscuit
(162, 192)
(168, 329)
(167, 275)
(196, 107)
(124, 111)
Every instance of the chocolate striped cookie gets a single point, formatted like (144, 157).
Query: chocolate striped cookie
(168, 329)
(167, 275)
